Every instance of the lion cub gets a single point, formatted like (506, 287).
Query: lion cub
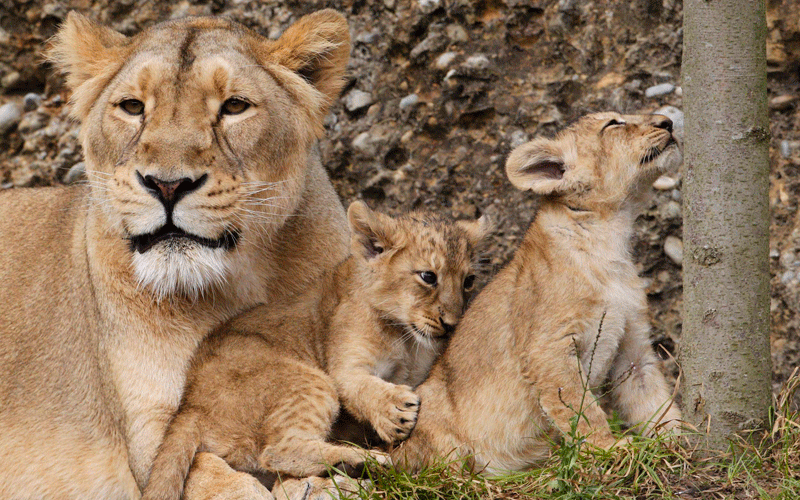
(568, 313)
(264, 390)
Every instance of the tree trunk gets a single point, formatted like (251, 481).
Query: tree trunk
(725, 342)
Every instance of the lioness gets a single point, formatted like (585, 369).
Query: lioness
(568, 313)
(264, 391)
(206, 196)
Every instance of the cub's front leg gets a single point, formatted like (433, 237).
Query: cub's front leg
(391, 409)
(554, 372)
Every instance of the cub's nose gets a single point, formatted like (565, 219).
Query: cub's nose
(663, 122)
(449, 328)
(169, 192)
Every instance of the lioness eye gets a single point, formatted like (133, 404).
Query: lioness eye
(611, 123)
(133, 107)
(234, 106)
(428, 277)
(469, 281)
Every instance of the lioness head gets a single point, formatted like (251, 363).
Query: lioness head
(421, 266)
(197, 134)
(599, 163)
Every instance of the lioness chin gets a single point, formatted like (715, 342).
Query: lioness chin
(205, 197)
(566, 321)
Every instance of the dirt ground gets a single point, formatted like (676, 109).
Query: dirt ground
(440, 91)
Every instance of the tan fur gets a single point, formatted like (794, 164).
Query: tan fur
(264, 391)
(516, 370)
(96, 334)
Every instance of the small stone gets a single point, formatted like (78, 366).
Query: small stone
(428, 6)
(31, 101)
(478, 61)
(407, 136)
(786, 149)
(657, 90)
(409, 101)
(10, 80)
(456, 33)
(672, 210)
(787, 277)
(445, 60)
(679, 91)
(782, 102)
(10, 115)
(774, 253)
(31, 122)
(518, 138)
(665, 183)
(389, 4)
(787, 258)
(75, 173)
(357, 100)
(673, 248)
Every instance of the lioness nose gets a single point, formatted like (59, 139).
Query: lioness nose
(169, 192)
(663, 122)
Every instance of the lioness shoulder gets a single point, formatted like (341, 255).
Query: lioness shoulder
(205, 197)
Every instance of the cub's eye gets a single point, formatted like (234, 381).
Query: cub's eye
(428, 277)
(133, 107)
(611, 123)
(234, 106)
(469, 282)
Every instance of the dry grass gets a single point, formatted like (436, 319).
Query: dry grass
(765, 465)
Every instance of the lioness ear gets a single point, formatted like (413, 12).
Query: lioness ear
(538, 166)
(317, 47)
(371, 231)
(83, 49)
(477, 230)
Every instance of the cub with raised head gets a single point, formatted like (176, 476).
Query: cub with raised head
(264, 390)
(206, 197)
(566, 320)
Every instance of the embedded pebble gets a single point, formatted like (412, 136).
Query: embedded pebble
(456, 33)
(31, 122)
(75, 173)
(782, 102)
(478, 61)
(357, 99)
(409, 101)
(428, 6)
(10, 115)
(786, 149)
(518, 138)
(673, 248)
(445, 60)
(787, 258)
(657, 90)
(665, 183)
(31, 101)
(672, 210)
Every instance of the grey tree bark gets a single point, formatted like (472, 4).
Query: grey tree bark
(725, 341)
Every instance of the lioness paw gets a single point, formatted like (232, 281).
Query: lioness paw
(397, 414)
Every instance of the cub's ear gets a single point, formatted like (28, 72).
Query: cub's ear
(83, 49)
(370, 231)
(478, 230)
(538, 166)
(317, 47)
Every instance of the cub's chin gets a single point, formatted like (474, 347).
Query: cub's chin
(180, 267)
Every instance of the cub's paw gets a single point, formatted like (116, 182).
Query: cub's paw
(396, 413)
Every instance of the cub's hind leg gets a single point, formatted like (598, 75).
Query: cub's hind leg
(639, 391)
(298, 427)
